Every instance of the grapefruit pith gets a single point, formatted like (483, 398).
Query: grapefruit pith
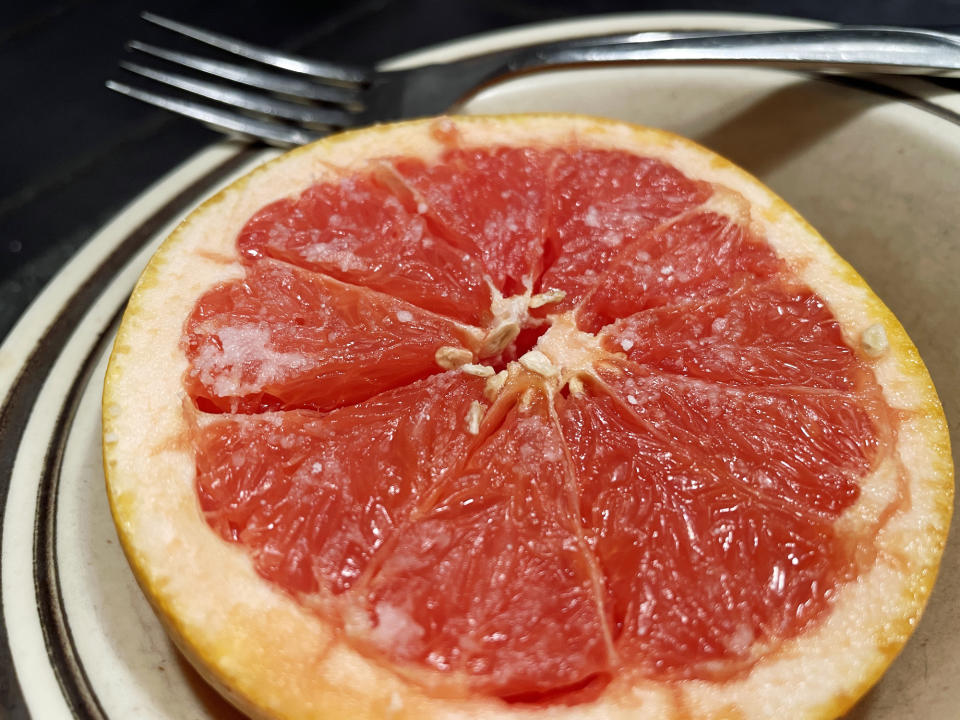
(522, 414)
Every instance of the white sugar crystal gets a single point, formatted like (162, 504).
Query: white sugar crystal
(612, 238)
(551, 453)
(395, 628)
(741, 639)
(592, 218)
(334, 253)
(245, 347)
(404, 316)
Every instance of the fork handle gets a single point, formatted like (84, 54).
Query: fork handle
(870, 49)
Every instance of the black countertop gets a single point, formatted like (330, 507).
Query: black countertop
(76, 153)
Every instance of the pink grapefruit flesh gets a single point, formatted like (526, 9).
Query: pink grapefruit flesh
(670, 514)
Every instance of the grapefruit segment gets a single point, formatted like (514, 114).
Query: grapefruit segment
(357, 231)
(601, 202)
(803, 448)
(698, 497)
(753, 334)
(312, 496)
(288, 338)
(699, 255)
(493, 583)
(490, 203)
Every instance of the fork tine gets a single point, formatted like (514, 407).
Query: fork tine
(271, 106)
(265, 80)
(230, 123)
(340, 72)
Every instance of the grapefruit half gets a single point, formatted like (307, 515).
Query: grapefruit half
(510, 416)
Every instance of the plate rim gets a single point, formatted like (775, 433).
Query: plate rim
(37, 341)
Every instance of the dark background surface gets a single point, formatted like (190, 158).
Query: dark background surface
(74, 153)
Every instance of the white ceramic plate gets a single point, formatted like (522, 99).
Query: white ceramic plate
(875, 165)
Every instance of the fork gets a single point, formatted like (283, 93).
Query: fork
(298, 99)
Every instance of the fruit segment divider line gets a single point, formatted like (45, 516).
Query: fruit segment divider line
(614, 262)
(466, 328)
(605, 273)
(695, 457)
(432, 494)
(884, 453)
(597, 584)
(743, 389)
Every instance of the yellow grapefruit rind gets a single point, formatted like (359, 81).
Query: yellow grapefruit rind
(274, 658)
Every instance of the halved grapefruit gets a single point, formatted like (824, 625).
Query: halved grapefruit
(520, 416)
